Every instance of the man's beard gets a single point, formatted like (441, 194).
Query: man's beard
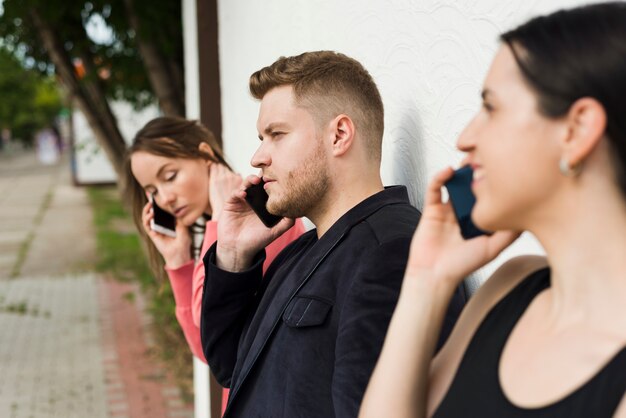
(305, 187)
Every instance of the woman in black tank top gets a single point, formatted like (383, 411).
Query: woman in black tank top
(548, 152)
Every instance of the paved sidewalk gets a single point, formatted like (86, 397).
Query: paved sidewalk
(25, 191)
(72, 344)
(50, 348)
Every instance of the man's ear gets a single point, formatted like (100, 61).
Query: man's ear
(206, 149)
(343, 134)
(586, 121)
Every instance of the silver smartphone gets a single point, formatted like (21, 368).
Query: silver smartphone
(162, 222)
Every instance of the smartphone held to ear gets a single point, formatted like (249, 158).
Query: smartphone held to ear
(463, 200)
(256, 196)
(162, 222)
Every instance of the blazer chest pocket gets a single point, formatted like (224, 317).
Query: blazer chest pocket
(306, 312)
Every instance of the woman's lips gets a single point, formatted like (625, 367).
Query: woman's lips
(180, 211)
(478, 172)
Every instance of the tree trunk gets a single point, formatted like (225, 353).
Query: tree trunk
(90, 100)
(165, 80)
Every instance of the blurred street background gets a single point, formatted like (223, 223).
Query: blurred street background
(76, 338)
(86, 328)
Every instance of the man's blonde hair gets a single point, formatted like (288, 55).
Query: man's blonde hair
(327, 84)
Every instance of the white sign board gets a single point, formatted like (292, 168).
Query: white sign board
(90, 164)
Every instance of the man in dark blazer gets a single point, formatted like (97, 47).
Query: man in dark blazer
(303, 339)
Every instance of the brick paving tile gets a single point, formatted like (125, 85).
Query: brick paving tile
(146, 383)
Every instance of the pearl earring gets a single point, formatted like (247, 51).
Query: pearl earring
(567, 170)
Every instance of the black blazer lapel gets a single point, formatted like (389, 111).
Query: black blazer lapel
(275, 311)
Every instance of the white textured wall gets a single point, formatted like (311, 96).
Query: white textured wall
(429, 58)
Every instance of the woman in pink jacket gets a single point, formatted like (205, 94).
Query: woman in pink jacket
(181, 165)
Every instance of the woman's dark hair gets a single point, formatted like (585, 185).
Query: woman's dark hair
(171, 137)
(576, 53)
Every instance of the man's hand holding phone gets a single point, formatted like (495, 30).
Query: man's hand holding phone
(240, 232)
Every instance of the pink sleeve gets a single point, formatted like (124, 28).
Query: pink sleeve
(210, 236)
(180, 280)
(285, 239)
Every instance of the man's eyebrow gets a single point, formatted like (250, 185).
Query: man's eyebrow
(272, 127)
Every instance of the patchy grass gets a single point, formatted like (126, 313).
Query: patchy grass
(21, 255)
(120, 255)
(23, 251)
(19, 308)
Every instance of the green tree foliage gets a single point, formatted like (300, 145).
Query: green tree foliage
(140, 60)
(117, 58)
(30, 100)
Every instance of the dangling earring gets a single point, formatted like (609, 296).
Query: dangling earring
(568, 171)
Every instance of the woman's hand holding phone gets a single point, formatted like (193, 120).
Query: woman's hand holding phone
(240, 232)
(438, 250)
(175, 250)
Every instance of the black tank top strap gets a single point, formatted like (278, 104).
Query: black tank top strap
(495, 328)
(507, 312)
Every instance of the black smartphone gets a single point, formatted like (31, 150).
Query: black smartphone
(256, 196)
(463, 200)
(162, 222)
